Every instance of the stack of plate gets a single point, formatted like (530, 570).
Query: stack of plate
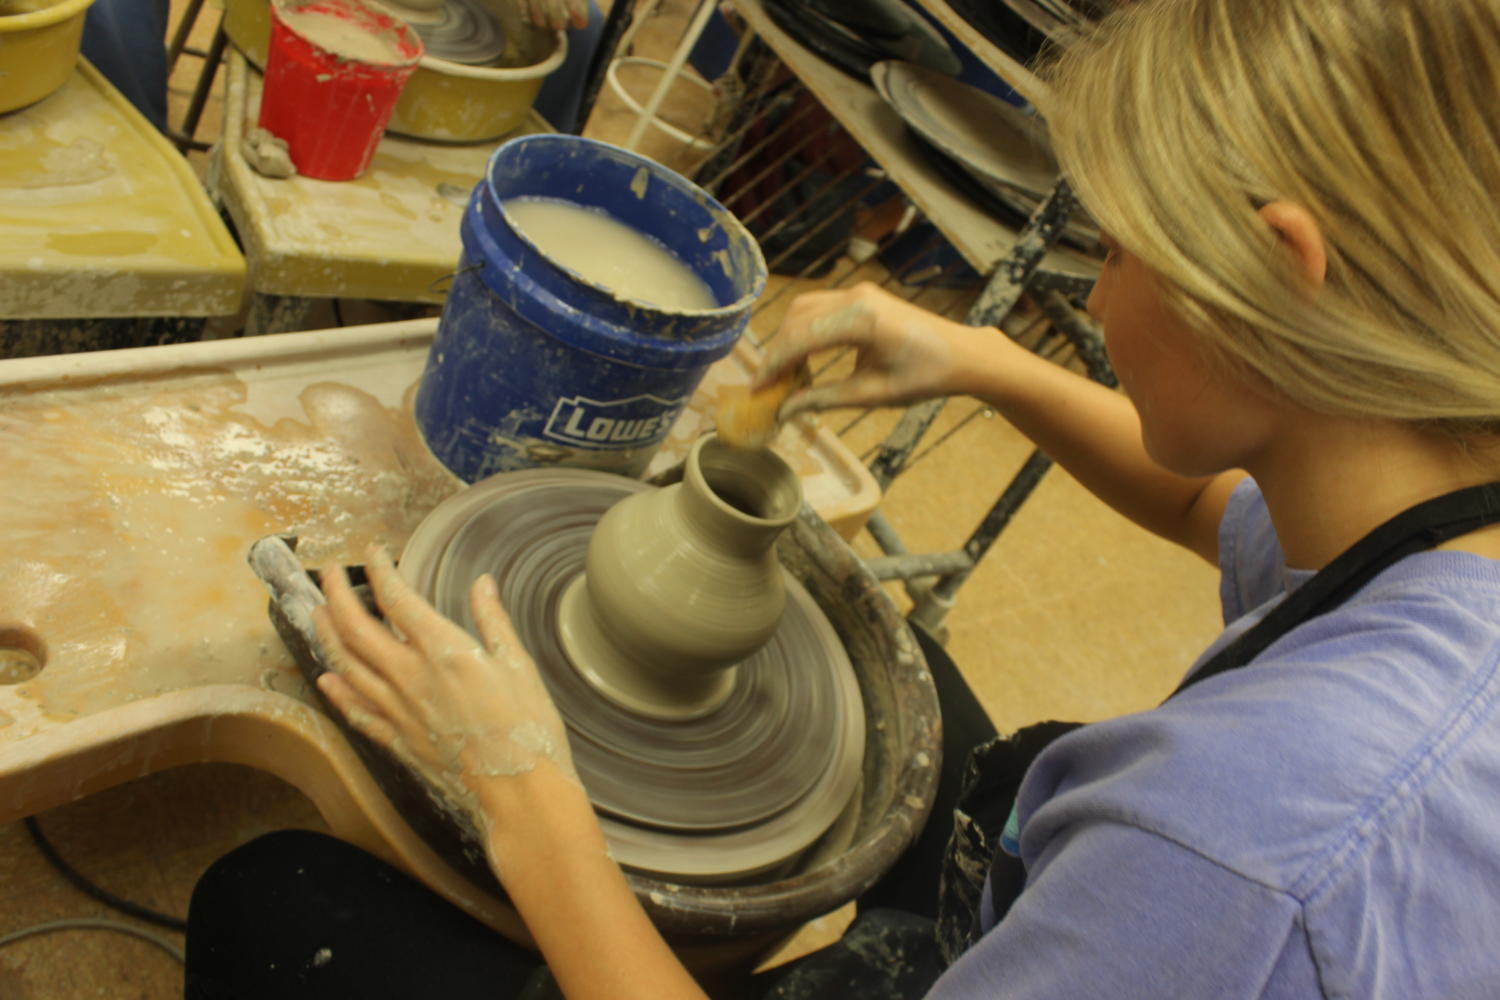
(995, 152)
(852, 35)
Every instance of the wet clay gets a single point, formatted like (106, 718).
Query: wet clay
(608, 252)
(142, 498)
(266, 154)
(682, 583)
(344, 38)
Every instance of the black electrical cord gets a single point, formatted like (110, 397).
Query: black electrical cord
(90, 889)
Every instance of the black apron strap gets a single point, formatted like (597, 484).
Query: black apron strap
(997, 768)
(1416, 529)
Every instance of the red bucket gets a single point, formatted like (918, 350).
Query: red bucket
(334, 70)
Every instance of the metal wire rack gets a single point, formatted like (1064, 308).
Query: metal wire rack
(784, 164)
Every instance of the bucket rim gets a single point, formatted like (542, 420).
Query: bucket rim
(413, 49)
(503, 74)
(608, 337)
(731, 222)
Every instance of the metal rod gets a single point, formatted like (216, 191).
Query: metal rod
(755, 150)
(768, 96)
(1012, 274)
(884, 533)
(635, 22)
(994, 303)
(1082, 334)
(184, 28)
(777, 93)
(897, 447)
(612, 38)
(775, 102)
(775, 196)
(1071, 285)
(910, 565)
(674, 69)
(1021, 486)
(749, 185)
(813, 200)
(205, 84)
(831, 217)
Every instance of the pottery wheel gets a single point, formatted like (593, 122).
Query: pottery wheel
(460, 31)
(737, 791)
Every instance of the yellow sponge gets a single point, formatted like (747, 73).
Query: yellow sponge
(748, 419)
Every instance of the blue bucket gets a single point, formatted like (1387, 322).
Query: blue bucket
(533, 364)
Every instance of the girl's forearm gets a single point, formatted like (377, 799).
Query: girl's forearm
(555, 866)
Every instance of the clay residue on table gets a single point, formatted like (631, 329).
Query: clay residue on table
(132, 507)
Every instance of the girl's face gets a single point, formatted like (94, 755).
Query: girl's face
(1197, 418)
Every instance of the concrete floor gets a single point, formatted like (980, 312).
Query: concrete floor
(1075, 614)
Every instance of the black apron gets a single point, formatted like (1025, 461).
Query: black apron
(994, 771)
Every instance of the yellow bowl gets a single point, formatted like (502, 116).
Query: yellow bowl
(38, 51)
(443, 101)
(451, 102)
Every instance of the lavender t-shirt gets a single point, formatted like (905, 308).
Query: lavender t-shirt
(1324, 822)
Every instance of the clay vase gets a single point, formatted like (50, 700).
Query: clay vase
(682, 583)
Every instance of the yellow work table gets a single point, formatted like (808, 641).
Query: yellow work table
(391, 234)
(133, 635)
(102, 221)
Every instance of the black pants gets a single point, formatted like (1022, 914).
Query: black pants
(297, 915)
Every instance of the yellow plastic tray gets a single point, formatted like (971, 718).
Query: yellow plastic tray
(391, 234)
(100, 216)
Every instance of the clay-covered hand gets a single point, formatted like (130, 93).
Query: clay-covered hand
(467, 715)
(903, 352)
(559, 14)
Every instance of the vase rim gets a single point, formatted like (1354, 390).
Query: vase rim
(782, 480)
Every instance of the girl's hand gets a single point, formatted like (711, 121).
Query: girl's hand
(471, 717)
(559, 14)
(904, 353)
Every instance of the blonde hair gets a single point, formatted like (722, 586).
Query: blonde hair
(1176, 119)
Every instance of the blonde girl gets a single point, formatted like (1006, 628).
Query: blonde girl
(1302, 303)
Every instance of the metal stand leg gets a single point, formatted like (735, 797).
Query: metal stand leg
(190, 13)
(184, 137)
(933, 600)
(619, 25)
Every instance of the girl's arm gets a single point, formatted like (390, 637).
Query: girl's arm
(906, 354)
(477, 722)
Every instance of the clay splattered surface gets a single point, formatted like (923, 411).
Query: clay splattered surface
(137, 503)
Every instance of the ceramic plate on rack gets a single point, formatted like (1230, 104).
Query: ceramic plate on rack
(1055, 20)
(1010, 208)
(995, 141)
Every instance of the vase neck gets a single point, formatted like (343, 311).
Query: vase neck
(739, 500)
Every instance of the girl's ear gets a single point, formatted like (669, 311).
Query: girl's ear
(1299, 232)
